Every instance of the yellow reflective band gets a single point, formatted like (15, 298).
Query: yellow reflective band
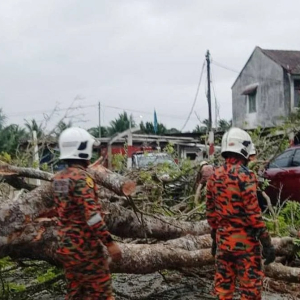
(90, 182)
(94, 220)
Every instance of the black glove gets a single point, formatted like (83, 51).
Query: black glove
(268, 249)
(214, 243)
(269, 254)
(263, 236)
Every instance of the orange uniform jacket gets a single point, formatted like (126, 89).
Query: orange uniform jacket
(232, 207)
(80, 222)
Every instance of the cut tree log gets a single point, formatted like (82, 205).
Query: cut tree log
(110, 180)
(25, 233)
(281, 272)
(137, 259)
(127, 223)
(283, 246)
(6, 169)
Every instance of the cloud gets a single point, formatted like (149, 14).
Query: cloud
(132, 54)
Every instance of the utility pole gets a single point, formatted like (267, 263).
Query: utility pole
(99, 118)
(208, 91)
(210, 131)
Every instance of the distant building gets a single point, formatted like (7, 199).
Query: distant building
(267, 88)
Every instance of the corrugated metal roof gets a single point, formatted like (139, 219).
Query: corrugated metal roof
(288, 59)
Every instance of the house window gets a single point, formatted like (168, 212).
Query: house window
(252, 103)
(250, 93)
(297, 93)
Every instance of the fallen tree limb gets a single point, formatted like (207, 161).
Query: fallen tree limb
(283, 246)
(6, 169)
(126, 223)
(113, 181)
(281, 272)
(137, 259)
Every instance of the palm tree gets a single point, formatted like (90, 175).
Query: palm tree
(94, 131)
(61, 126)
(33, 126)
(206, 122)
(12, 135)
(200, 129)
(224, 125)
(122, 123)
(148, 128)
(173, 131)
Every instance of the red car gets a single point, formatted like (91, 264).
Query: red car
(284, 170)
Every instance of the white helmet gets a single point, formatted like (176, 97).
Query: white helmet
(237, 141)
(253, 150)
(76, 143)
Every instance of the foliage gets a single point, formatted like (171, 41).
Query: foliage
(122, 123)
(34, 126)
(94, 131)
(2, 119)
(61, 126)
(269, 143)
(5, 157)
(34, 275)
(119, 162)
(12, 135)
(48, 275)
(200, 129)
(287, 218)
(224, 125)
(148, 128)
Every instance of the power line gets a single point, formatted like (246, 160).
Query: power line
(38, 112)
(223, 66)
(197, 92)
(246, 75)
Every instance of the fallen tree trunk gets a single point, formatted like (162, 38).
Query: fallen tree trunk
(25, 234)
(281, 272)
(137, 259)
(127, 223)
(113, 181)
(283, 246)
(6, 169)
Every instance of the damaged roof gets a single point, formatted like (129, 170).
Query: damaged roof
(288, 59)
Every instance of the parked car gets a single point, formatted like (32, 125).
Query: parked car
(284, 171)
(142, 160)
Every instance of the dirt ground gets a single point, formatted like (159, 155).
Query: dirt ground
(169, 286)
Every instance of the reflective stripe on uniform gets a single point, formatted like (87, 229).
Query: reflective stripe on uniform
(94, 220)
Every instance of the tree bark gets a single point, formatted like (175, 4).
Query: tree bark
(283, 246)
(281, 272)
(6, 169)
(127, 223)
(137, 258)
(110, 180)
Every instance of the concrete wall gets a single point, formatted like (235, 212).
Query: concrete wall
(270, 96)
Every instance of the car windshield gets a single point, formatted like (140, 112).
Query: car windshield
(153, 160)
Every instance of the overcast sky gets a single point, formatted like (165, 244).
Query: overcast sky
(133, 55)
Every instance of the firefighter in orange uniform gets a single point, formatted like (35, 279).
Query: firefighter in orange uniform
(236, 221)
(82, 233)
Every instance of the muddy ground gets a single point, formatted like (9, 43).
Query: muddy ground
(169, 286)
